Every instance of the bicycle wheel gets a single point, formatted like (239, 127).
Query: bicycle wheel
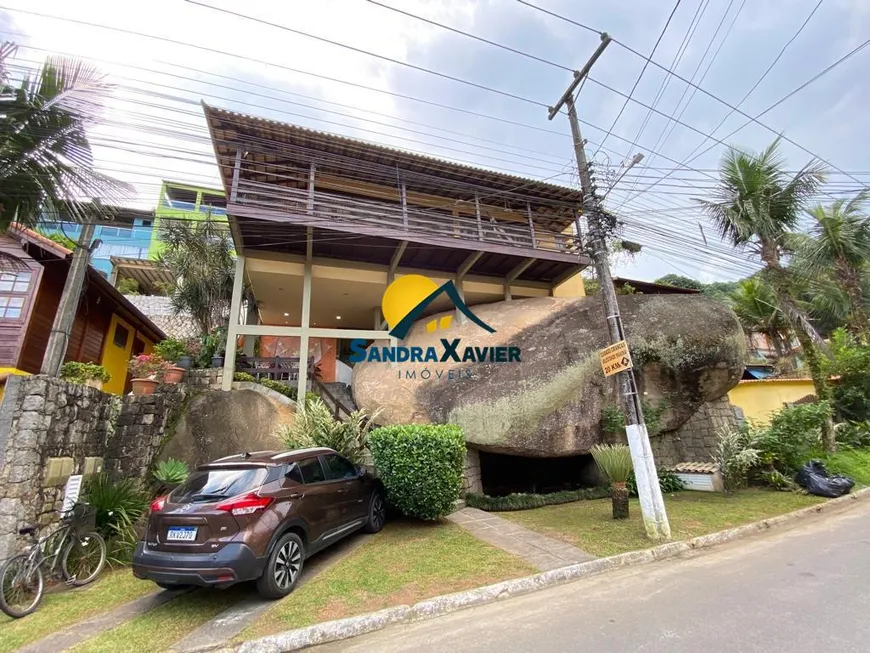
(21, 586)
(83, 558)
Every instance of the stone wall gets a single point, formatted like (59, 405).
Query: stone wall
(141, 429)
(50, 429)
(472, 480)
(209, 379)
(159, 310)
(694, 441)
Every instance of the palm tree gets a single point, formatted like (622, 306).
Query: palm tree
(838, 246)
(755, 305)
(756, 206)
(199, 256)
(46, 164)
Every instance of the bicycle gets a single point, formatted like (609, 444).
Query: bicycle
(80, 550)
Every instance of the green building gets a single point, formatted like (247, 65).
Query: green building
(182, 202)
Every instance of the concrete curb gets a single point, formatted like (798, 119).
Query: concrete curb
(330, 631)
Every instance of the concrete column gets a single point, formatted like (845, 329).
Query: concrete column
(233, 326)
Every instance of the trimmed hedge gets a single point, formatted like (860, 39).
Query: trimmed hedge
(421, 466)
(522, 501)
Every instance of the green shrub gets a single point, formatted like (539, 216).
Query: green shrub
(81, 373)
(119, 506)
(171, 472)
(522, 501)
(316, 427)
(613, 420)
(614, 460)
(244, 377)
(850, 360)
(791, 437)
(735, 456)
(278, 386)
(778, 481)
(171, 350)
(421, 467)
(853, 435)
(128, 286)
(669, 482)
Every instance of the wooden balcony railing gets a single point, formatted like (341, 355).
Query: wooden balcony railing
(361, 213)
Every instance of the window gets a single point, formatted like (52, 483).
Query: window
(11, 307)
(214, 204)
(116, 232)
(121, 336)
(312, 470)
(15, 282)
(146, 223)
(215, 484)
(180, 198)
(295, 474)
(13, 288)
(338, 467)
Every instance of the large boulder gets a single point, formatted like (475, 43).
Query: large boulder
(687, 349)
(217, 424)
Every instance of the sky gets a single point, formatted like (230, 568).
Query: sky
(165, 57)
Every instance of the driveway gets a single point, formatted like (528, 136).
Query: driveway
(805, 589)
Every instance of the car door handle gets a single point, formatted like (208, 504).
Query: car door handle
(343, 491)
(297, 495)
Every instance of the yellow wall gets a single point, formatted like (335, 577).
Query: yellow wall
(9, 370)
(572, 287)
(759, 399)
(115, 359)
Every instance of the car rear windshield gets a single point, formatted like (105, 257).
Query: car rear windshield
(215, 484)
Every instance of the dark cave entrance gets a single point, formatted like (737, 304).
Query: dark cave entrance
(503, 474)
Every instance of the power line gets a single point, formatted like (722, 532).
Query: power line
(370, 54)
(637, 81)
(760, 79)
(839, 61)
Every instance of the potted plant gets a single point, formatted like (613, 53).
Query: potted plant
(614, 460)
(219, 338)
(146, 370)
(89, 374)
(172, 351)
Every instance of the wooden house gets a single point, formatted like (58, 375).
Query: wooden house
(107, 330)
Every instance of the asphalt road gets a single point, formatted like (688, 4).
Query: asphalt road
(806, 589)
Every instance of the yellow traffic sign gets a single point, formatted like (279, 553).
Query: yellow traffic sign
(615, 359)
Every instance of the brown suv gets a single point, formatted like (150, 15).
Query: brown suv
(256, 516)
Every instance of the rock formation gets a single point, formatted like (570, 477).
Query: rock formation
(688, 350)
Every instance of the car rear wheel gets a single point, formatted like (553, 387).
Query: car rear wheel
(377, 513)
(283, 567)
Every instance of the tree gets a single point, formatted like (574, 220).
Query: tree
(199, 255)
(46, 164)
(680, 282)
(756, 206)
(755, 306)
(838, 246)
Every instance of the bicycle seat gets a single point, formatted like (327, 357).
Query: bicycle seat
(27, 530)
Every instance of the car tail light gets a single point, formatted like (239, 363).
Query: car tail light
(245, 504)
(158, 503)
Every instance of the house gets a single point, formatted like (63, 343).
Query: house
(107, 330)
(128, 233)
(322, 224)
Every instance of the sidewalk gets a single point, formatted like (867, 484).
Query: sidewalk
(541, 551)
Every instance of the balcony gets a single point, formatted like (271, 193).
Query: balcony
(402, 222)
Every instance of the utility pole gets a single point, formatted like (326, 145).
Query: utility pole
(58, 339)
(652, 504)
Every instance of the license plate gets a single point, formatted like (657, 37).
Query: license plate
(181, 533)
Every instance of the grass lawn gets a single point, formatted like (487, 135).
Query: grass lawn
(850, 462)
(159, 628)
(61, 609)
(590, 524)
(406, 562)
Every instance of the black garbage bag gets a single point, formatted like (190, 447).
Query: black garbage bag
(815, 479)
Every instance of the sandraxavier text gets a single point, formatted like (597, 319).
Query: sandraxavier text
(451, 352)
